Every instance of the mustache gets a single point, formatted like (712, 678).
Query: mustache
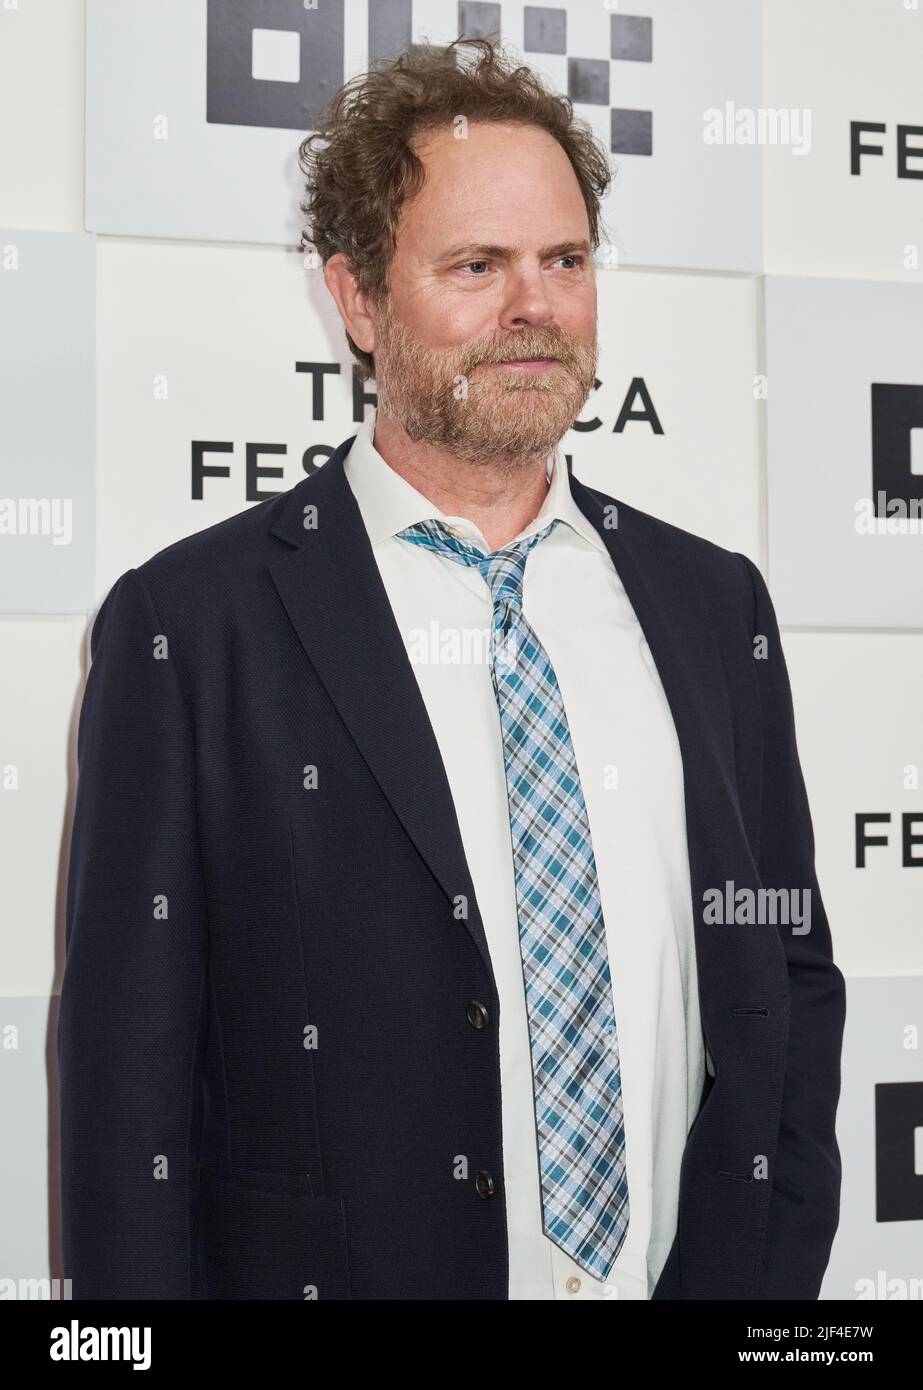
(557, 345)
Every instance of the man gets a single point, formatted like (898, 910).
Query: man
(405, 802)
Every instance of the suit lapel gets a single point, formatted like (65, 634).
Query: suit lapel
(665, 594)
(333, 594)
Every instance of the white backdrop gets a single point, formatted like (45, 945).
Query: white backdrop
(758, 290)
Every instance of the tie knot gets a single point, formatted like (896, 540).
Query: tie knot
(503, 569)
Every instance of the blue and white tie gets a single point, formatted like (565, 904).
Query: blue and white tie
(574, 1044)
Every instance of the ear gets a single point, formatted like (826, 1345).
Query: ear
(351, 302)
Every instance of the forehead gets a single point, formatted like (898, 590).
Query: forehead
(503, 181)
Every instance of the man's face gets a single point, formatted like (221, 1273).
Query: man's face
(492, 266)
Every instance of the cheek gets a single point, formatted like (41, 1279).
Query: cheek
(577, 314)
(444, 320)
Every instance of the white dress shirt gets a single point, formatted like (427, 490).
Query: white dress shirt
(630, 768)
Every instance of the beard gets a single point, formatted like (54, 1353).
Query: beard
(494, 417)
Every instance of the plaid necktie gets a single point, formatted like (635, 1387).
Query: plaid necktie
(575, 1060)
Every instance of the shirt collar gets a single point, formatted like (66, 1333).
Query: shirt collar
(388, 503)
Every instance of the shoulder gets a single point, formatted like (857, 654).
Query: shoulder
(188, 583)
(723, 576)
(227, 562)
(217, 552)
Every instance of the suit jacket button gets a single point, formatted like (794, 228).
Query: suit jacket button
(477, 1014)
(484, 1184)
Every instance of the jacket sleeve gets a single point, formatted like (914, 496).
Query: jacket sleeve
(805, 1200)
(133, 995)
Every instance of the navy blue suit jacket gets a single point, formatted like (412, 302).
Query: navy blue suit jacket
(271, 1084)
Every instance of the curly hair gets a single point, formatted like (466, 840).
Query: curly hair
(360, 167)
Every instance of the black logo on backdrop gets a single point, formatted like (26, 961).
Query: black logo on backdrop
(236, 97)
(898, 1187)
(631, 40)
(896, 410)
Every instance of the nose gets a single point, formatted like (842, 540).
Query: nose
(526, 302)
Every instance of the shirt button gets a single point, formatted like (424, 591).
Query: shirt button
(573, 1284)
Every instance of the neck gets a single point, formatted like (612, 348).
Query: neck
(500, 499)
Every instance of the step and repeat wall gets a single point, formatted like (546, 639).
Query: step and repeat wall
(168, 356)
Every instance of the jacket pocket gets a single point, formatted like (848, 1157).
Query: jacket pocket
(298, 1184)
(265, 1236)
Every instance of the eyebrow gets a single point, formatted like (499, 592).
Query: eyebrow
(483, 251)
